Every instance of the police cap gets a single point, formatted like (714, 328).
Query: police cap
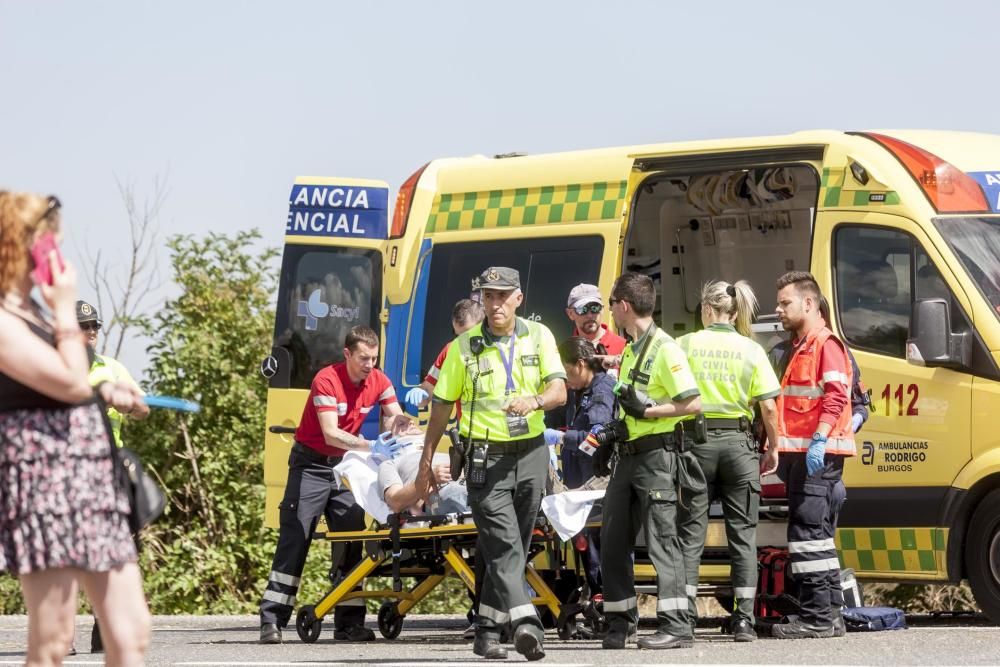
(498, 277)
(86, 313)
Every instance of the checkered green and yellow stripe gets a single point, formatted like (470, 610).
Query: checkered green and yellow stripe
(890, 550)
(549, 204)
(833, 195)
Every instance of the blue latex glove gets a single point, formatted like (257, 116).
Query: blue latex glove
(554, 461)
(552, 436)
(384, 447)
(814, 455)
(856, 422)
(416, 396)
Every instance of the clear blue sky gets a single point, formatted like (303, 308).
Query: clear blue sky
(232, 100)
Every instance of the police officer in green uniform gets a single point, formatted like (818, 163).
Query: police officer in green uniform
(506, 372)
(657, 389)
(732, 372)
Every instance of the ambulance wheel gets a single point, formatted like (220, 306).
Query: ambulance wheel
(307, 625)
(982, 555)
(390, 622)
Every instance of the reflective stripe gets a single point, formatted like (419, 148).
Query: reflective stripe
(286, 579)
(280, 598)
(836, 376)
(365, 411)
(745, 592)
(387, 394)
(324, 401)
(433, 372)
(815, 565)
(810, 546)
(494, 615)
(844, 446)
(341, 409)
(670, 604)
(627, 604)
(800, 390)
(691, 590)
(353, 602)
(522, 611)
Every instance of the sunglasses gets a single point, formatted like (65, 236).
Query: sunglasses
(594, 308)
(90, 326)
(612, 301)
(53, 205)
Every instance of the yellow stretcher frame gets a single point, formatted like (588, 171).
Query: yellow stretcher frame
(396, 604)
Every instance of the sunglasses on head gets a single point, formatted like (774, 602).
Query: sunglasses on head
(90, 326)
(594, 308)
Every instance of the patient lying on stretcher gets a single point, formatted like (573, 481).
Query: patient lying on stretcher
(397, 477)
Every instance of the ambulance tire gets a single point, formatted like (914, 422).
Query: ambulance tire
(390, 621)
(982, 555)
(307, 625)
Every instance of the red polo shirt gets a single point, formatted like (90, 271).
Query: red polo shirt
(332, 390)
(432, 375)
(611, 341)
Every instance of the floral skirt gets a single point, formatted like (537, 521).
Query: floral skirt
(60, 503)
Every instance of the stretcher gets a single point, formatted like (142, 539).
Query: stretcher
(429, 549)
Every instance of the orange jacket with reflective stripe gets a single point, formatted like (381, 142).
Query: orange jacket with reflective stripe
(800, 402)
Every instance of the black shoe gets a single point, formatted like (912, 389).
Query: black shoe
(618, 639)
(270, 633)
(489, 648)
(742, 630)
(528, 642)
(96, 644)
(798, 629)
(354, 633)
(664, 640)
(839, 627)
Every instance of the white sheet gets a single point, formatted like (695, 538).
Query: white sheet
(567, 511)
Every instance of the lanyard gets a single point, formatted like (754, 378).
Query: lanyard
(508, 362)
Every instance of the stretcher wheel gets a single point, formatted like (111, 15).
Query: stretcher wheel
(307, 625)
(390, 621)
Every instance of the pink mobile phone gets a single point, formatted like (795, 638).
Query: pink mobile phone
(40, 253)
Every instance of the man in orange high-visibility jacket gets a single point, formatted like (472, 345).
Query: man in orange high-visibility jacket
(814, 437)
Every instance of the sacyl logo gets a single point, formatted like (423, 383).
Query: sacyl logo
(314, 310)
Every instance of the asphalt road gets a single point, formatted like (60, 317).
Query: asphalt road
(232, 640)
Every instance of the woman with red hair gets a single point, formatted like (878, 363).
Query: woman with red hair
(63, 512)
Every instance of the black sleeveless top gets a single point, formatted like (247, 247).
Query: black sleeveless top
(16, 396)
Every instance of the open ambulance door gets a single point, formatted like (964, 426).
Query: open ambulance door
(331, 280)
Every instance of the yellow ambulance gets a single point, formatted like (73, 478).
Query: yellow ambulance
(900, 228)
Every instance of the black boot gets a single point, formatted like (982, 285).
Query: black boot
(799, 629)
(742, 629)
(664, 640)
(270, 633)
(489, 647)
(528, 641)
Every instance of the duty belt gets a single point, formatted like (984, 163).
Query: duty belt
(314, 456)
(719, 424)
(511, 446)
(648, 443)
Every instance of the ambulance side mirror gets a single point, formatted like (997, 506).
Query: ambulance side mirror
(932, 343)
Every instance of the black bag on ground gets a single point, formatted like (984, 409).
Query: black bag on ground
(144, 494)
(873, 619)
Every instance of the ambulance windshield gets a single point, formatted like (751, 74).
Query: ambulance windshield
(976, 242)
(323, 293)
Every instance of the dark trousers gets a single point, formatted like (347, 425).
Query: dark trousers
(311, 492)
(814, 504)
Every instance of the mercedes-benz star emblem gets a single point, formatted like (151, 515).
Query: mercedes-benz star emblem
(269, 366)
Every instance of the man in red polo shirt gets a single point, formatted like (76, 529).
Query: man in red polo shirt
(339, 400)
(584, 307)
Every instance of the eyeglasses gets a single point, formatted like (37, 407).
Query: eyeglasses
(90, 326)
(594, 308)
(612, 301)
(53, 205)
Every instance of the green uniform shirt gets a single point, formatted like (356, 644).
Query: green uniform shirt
(535, 362)
(731, 371)
(664, 376)
(107, 369)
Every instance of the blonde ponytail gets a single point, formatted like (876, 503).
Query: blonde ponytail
(737, 302)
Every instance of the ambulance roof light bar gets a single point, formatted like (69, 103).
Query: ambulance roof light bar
(948, 189)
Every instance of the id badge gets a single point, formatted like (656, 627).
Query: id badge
(517, 425)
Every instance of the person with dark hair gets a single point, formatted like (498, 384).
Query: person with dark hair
(657, 390)
(733, 374)
(590, 402)
(340, 398)
(465, 315)
(815, 393)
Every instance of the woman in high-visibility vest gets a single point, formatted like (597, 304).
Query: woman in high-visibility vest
(733, 373)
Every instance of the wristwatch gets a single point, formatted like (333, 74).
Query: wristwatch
(540, 401)
(819, 436)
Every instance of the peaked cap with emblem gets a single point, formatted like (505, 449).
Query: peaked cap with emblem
(86, 313)
(498, 277)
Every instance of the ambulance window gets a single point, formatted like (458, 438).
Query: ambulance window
(323, 293)
(549, 269)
